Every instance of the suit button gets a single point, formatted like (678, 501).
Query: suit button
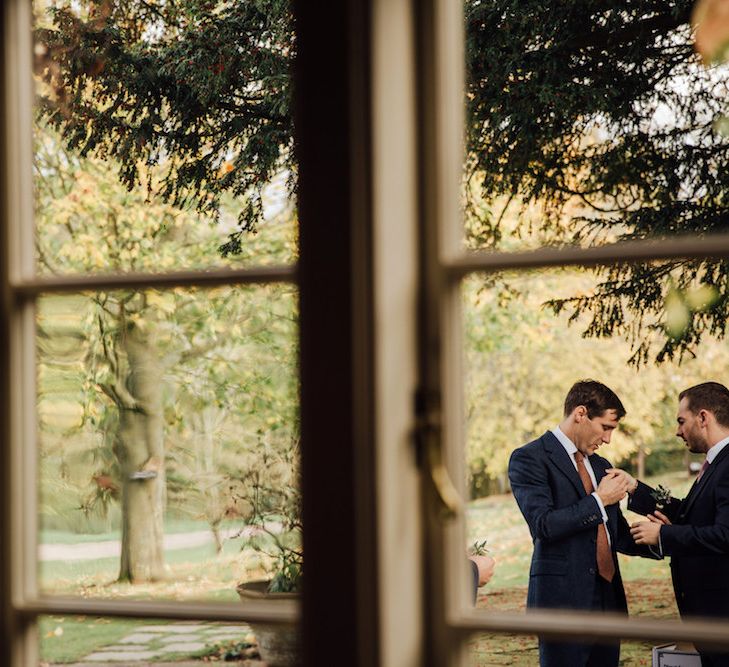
(591, 570)
(594, 540)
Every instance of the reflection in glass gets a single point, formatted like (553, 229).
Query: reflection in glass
(168, 442)
(163, 136)
(89, 639)
(521, 357)
(587, 124)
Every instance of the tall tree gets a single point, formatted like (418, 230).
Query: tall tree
(601, 113)
(598, 111)
(148, 352)
(198, 86)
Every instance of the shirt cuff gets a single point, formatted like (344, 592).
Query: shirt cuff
(601, 506)
(657, 550)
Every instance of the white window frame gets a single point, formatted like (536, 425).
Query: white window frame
(398, 127)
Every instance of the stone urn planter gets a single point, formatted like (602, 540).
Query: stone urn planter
(278, 644)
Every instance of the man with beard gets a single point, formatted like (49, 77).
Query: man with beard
(695, 531)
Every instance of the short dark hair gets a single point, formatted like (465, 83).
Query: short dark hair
(595, 396)
(710, 396)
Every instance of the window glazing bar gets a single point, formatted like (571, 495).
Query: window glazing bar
(265, 611)
(713, 246)
(565, 624)
(28, 289)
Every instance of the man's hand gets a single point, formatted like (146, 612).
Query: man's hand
(659, 517)
(632, 482)
(646, 532)
(612, 488)
(485, 565)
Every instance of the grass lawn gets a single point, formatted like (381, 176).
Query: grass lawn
(69, 638)
(171, 526)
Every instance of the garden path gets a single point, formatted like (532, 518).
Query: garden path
(170, 642)
(112, 548)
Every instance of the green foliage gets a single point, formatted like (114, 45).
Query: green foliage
(661, 495)
(226, 355)
(269, 487)
(601, 114)
(597, 112)
(200, 88)
(478, 548)
(520, 360)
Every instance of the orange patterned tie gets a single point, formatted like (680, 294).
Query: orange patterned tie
(605, 563)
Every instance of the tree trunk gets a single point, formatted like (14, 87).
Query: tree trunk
(141, 457)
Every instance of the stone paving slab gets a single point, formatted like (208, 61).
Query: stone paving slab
(138, 638)
(176, 627)
(157, 641)
(119, 656)
(183, 647)
(180, 638)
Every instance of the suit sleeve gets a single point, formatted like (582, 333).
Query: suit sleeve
(689, 540)
(625, 543)
(643, 502)
(530, 484)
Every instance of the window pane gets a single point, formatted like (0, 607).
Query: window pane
(647, 333)
(163, 136)
(588, 124)
(90, 639)
(168, 442)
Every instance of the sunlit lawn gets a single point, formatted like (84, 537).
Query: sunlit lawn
(70, 638)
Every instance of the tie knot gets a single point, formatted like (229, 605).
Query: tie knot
(578, 455)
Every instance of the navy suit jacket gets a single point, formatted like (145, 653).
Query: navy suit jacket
(563, 521)
(698, 542)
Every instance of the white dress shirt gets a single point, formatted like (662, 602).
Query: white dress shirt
(571, 448)
(714, 451)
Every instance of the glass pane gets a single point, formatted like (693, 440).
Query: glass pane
(163, 136)
(588, 123)
(94, 640)
(526, 345)
(169, 442)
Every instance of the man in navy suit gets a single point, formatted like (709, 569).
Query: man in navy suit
(695, 531)
(570, 502)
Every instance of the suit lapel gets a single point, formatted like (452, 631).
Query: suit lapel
(701, 484)
(561, 459)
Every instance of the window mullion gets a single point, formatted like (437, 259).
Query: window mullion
(264, 611)
(586, 624)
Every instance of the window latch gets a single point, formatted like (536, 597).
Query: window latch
(429, 432)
